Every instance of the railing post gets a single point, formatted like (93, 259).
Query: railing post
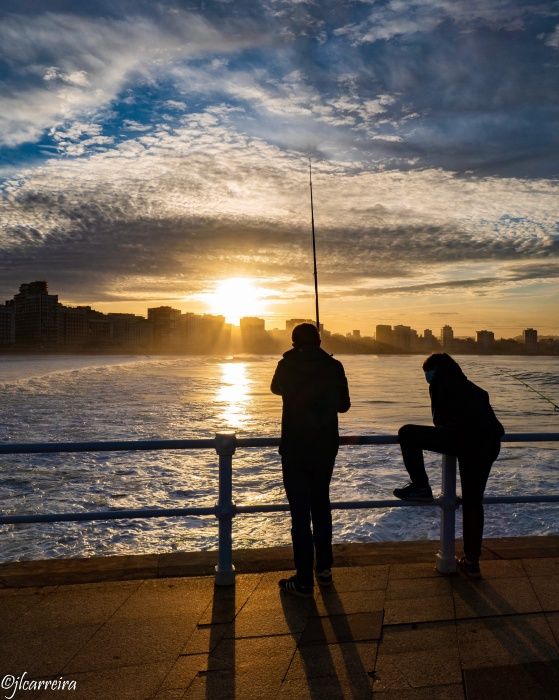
(225, 445)
(446, 562)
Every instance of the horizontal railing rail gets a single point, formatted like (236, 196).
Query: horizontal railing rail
(225, 444)
(209, 443)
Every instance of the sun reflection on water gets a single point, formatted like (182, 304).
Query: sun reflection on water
(234, 394)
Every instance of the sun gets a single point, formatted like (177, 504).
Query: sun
(236, 297)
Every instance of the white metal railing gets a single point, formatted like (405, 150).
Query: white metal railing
(225, 444)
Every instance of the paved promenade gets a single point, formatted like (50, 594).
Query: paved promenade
(389, 627)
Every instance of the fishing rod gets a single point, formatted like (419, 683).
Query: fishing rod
(314, 251)
(529, 386)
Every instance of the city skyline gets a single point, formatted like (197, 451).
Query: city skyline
(401, 334)
(150, 153)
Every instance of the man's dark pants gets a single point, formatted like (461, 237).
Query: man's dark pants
(474, 462)
(307, 486)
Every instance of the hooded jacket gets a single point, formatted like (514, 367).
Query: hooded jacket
(314, 390)
(463, 407)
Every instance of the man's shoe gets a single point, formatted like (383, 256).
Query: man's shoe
(324, 577)
(291, 585)
(412, 492)
(469, 569)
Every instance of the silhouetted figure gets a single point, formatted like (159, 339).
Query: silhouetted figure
(314, 390)
(465, 426)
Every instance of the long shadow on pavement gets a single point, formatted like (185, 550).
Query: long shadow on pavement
(487, 610)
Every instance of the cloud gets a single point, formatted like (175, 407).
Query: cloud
(203, 198)
(397, 18)
(507, 277)
(66, 65)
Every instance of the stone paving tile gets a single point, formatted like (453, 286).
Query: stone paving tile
(270, 612)
(413, 571)
(497, 641)
(417, 655)
(538, 680)
(357, 627)
(498, 596)
(416, 669)
(183, 672)
(126, 683)
(220, 685)
(326, 688)
(14, 606)
(361, 578)
(169, 694)
(547, 591)
(330, 601)
(228, 600)
(77, 604)
(206, 638)
(347, 660)
(427, 636)
(162, 597)
(418, 609)
(553, 621)
(502, 568)
(440, 692)
(42, 654)
(125, 642)
(264, 623)
(541, 567)
(269, 657)
(411, 588)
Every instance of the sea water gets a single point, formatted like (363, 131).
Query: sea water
(78, 398)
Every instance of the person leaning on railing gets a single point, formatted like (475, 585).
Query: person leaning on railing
(465, 426)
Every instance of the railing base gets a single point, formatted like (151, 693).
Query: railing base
(224, 578)
(444, 565)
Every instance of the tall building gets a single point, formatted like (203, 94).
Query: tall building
(254, 337)
(429, 341)
(383, 334)
(36, 315)
(7, 324)
(165, 323)
(202, 332)
(131, 331)
(251, 324)
(76, 327)
(485, 340)
(403, 337)
(530, 336)
(447, 337)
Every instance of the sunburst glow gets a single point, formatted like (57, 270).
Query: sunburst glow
(236, 297)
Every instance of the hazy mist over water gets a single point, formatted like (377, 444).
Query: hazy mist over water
(76, 398)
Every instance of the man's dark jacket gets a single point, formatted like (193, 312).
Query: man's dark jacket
(314, 389)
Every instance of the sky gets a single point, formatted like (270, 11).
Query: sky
(152, 151)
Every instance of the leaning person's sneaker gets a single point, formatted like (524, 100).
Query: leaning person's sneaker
(292, 585)
(412, 492)
(468, 568)
(324, 577)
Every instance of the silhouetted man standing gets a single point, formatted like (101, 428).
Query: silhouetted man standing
(314, 390)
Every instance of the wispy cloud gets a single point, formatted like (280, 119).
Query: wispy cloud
(65, 65)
